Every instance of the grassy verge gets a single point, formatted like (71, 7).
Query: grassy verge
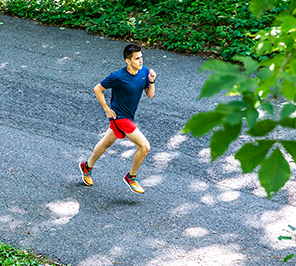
(214, 28)
(10, 256)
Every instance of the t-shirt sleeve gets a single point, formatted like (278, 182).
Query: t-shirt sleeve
(108, 82)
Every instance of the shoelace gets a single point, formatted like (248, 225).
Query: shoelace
(89, 173)
(134, 179)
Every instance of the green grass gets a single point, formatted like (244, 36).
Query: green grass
(10, 256)
(207, 27)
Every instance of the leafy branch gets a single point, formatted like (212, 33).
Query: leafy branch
(256, 85)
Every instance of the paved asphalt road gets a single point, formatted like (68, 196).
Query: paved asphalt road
(193, 212)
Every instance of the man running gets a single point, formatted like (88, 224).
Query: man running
(127, 85)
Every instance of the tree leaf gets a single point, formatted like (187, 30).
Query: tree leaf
(284, 238)
(220, 67)
(290, 147)
(251, 155)
(287, 22)
(202, 123)
(287, 110)
(267, 107)
(274, 172)
(264, 86)
(251, 65)
(288, 122)
(288, 90)
(251, 117)
(220, 82)
(233, 112)
(264, 73)
(234, 117)
(292, 227)
(261, 128)
(247, 85)
(258, 7)
(288, 257)
(226, 76)
(222, 138)
(290, 77)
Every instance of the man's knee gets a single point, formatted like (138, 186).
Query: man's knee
(146, 147)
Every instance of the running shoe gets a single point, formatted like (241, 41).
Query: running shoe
(86, 174)
(133, 184)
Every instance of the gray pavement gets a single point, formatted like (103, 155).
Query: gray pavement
(192, 213)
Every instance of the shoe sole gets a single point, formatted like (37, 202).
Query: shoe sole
(83, 176)
(131, 187)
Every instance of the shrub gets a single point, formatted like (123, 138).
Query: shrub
(220, 28)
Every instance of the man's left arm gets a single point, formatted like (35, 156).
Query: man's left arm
(151, 89)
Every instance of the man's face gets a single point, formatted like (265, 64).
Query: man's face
(136, 62)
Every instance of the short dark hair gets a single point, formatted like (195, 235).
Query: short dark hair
(130, 49)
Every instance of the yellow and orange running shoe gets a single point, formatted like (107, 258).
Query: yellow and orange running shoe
(86, 174)
(133, 184)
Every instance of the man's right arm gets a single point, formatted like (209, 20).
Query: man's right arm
(99, 93)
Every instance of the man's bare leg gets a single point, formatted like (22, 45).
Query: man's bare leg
(143, 146)
(101, 147)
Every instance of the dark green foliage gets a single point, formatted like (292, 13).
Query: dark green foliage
(219, 28)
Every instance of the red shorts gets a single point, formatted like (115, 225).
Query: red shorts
(121, 127)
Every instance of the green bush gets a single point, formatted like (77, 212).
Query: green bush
(221, 28)
(10, 256)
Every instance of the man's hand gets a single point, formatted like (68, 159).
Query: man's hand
(152, 75)
(110, 113)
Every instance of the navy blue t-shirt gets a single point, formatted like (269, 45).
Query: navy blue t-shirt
(126, 91)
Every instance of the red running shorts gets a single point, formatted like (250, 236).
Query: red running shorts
(121, 127)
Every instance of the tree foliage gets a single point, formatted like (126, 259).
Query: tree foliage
(267, 85)
(210, 27)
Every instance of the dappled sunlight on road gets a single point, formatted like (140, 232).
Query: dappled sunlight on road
(227, 193)
(184, 209)
(10, 222)
(152, 181)
(274, 223)
(98, 260)
(204, 156)
(229, 196)
(231, 165)
(215, 255)
(239, 182)
(125, 143)
(3, 65)
(208, 200)
(63, 60)
(176, 141)
(128, 153)
(260, 192)
(197, 186)
(63, 211)
(195, 232)
(162, 159)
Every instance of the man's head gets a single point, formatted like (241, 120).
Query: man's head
(129, 50)
(133, 57)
